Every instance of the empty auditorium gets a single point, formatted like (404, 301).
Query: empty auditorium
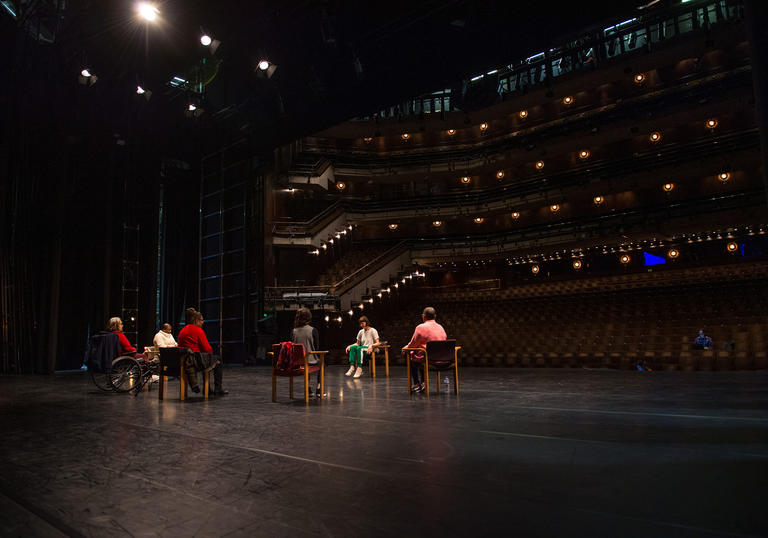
(426, 268)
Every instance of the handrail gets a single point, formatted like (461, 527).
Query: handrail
(342, 285)
(311, 226)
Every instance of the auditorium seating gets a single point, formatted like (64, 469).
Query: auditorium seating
(348, 263)
(609, 322)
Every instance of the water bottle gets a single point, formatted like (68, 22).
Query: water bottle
(446, 383)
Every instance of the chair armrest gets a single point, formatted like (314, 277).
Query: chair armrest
(415, 349)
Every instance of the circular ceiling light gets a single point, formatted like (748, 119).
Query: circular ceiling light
(724, 176)
(655, 136)
(535, 269)
(437, 223)
(625, 258)
(466, 180)
(577, 264)
(673, 253)
(732, 246)
(478, 220)
(205, 40)
(668, 187)
(567, 100)
(711, 123)
(499, 174)
(147, 11)
(451, 132)
(523, 114)
(554, 208)
(598, 200)
(405, 136)
(341, 185)
(515, 215)
(539, 165)
(639, 78)
(584, 154)
(263, 65)
(367, 139)
(483, 126)
(392, 226)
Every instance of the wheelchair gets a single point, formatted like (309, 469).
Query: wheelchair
(126, 374)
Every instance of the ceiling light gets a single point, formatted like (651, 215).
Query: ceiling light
(205, 40)
(577, 264)
(711, 123)
(535, 269)
(499, 174)
(515, 215)
(639, 78)
(523, 114)
(567, 100)
(732, 246)
(668, 187)
(405, 136)
(85, 73)
(140, 90)
(483, 126)
(341, 185)
(368, 139)
(584, 154)
(478, 220)
(598, 200)
(392, 226)
(147, 11)
(265, 68)
(539, 165)
(264, 65)
(451, 132)
(437, 223)
(554, 208)
(655, 136)
(724, 176)
(191, 107)
(673, 253)
(625, 259)
(466, 179)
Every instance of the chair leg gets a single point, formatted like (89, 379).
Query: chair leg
(161, 388)
(373, 364)
(408, 371)
(306, 385)
(206, 384)
(426, 373)
(274, 385)
(322, 376)
(456, 376)
(183, 380)
(386, 361)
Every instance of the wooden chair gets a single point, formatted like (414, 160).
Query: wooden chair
(172, 361)
(440, 356)
(372, 367)
(299, 366)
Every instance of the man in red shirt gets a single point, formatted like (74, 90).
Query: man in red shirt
(426, 332)
(193, 336)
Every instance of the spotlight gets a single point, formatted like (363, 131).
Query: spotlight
(147, 11)
(86, 78)
(554, 208)
(625, 259)
(499, 174)
(265, 68)
(535, 269)
(598, 200)
(584, 154)
(639, 78)
(577, 264)
(673, 253)
(711, 123)
(732, 246)
(351, 312)
(451, 132)
(567, 100)
(392, 226)
(340, 185)
(437, 223)
(205, 40)
(264, 65)
(724, 176)
(523, 114)
(478, 220)
(192, 107)
(655, 136)
(405, 136)
(668, 187)
(85, 73)
(539, 165)
(515, 215)
(370, 300)
(466, 180)
(361, 306)
(324, 246)
(140, 90)
(327, 318)
(483, 126)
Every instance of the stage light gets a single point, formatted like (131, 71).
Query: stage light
(625, 259)
(451, 132)
(340, 185)
(437, 223)
(396, 285)
(86, 78)
(483, 126)
(668, 187)
(732, 246)
(379, 295)
(85, 73)
(265, 68)
(598, 200)
(324, 246)
(584, 154)
(392, 226)
(466, 180)
(361, 306)
(140, 90)
(191, 107)
(655, 136)
(370, 300)
(478, 220)
(554, 208)
(535, 269)
(639, 78)
(327, 318)
(330, 241)
(567, 100)
(523, 114)
(205, 40)
(351, 312)
(539, 165)
(338, 235)
(673, 253)
(724, 176)
(147, 11)
(405, 136)
(577, 264)
(349, 227)
(264, 65)
(499, 174)
(711, 123)
(515, 215)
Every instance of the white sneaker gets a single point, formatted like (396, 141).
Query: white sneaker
(350, 371)
(155, 378)
(358, 372)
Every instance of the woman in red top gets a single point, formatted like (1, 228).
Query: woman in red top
(116, 326)
(193, 336)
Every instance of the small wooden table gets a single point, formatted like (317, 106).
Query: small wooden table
(385, 347)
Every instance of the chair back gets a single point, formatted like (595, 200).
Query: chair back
(295, 359)
(170, 359)
(103, 348)
(441, 352)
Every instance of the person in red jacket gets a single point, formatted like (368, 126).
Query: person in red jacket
(193, 336)
(115, 325)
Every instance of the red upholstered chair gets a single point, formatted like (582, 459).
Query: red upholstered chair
(299, 366)
(439, 356)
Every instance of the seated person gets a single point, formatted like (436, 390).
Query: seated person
(115, 325)
(426, 332)
(703, 341)
(164, 338)
(367, 338)
(303, 333)
(193, 336)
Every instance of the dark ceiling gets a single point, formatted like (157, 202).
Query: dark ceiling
(336, 59)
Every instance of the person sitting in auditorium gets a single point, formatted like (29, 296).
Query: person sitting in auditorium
(367, 339)
(303, 333)
(115, 325)
(428, 331)
(193, 336)
(703, 341)
(164, 338)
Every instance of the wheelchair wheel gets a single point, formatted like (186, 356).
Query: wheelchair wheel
(101, 380)
(125, 374)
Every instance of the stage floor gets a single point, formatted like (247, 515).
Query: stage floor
(520, 452)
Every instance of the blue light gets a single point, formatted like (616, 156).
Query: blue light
(650, 259)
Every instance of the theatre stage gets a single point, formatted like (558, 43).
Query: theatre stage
(520, 452)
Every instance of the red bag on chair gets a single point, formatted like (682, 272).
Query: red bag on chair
(285, 356)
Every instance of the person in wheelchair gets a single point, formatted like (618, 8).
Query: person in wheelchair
(193, 336)
(115, 325)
